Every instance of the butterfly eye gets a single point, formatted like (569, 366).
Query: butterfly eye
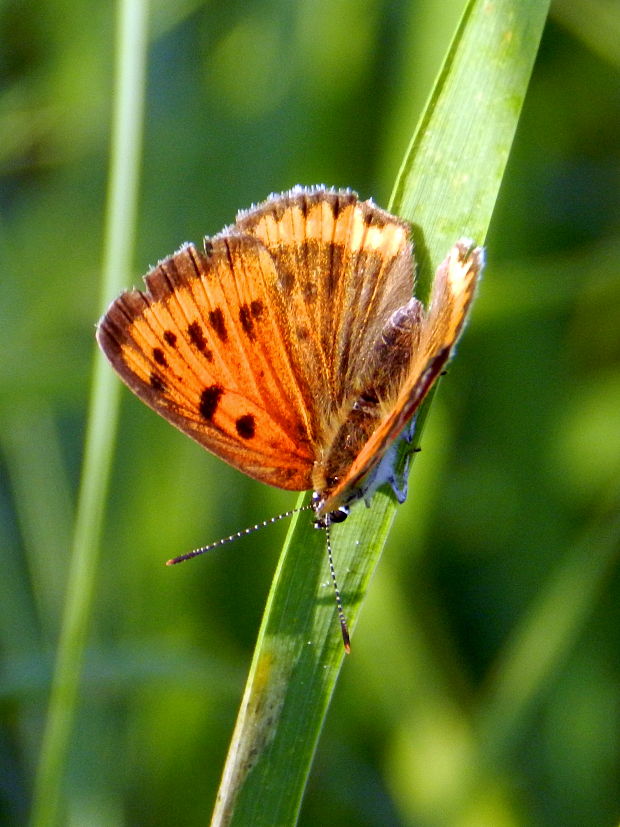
(340, 515)
(337, 516)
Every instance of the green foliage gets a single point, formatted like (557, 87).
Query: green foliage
(483, 683)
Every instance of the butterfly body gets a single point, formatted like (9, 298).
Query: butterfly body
(291, 345)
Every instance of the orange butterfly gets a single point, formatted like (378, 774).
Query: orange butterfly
(291, 345)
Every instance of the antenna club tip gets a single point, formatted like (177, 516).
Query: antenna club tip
(347, 647)
(170, 562)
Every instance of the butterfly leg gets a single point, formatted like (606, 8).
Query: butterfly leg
(400, 481)
(393, 469)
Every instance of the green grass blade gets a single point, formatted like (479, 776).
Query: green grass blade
(460, 148)
(547, 632)
(296, 663)
(447, 185)
(120, 223)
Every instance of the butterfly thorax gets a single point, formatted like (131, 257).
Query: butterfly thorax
(348, 441)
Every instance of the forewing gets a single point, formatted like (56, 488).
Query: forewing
(205, 346)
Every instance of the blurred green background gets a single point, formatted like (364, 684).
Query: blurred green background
(489, 643)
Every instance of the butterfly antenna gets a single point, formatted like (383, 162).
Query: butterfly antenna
(343, 621)
(231, 537)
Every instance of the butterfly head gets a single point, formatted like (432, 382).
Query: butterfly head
(324, 519)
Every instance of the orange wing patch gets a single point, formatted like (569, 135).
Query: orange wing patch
(206, 352)
(342, 266)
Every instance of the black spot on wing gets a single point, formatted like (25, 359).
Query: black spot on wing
(196, 335)
(246, 426)
(157, 383)
(159, 356)
(247, 322)
(216, 320)
(197, 338)
(257, 308)
(209, 401)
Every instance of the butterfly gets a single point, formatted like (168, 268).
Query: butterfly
(291, 345)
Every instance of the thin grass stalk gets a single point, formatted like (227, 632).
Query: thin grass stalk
(128, 96)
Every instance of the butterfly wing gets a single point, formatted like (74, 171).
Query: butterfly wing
(435, 333)
(254, 347)
(343, 266)
(203, 346)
